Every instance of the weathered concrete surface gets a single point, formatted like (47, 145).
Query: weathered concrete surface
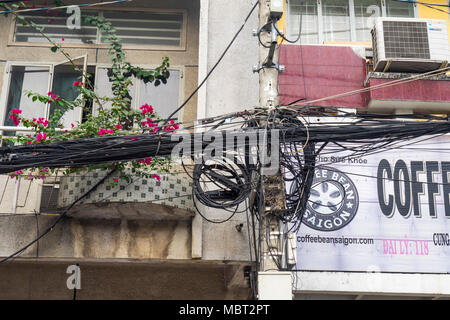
(112, 280)
(97, 238)
(130, 211)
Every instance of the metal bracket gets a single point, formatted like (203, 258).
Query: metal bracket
(259, 66)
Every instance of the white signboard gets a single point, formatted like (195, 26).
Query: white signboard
(388, 211)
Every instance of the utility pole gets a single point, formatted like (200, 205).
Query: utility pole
(272, 283)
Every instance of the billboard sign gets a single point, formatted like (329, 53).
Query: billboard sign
(387, 211)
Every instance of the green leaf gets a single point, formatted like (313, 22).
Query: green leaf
(54, 48)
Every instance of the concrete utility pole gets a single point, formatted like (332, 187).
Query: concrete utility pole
(272, 283)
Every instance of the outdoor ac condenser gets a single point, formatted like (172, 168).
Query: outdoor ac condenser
(410, 45)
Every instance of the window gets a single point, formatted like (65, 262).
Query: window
(340, 20)
(147, 28)
(310, 22)
(336, 20)
(365, 13)
(35, 78)
(42, 78)
(55, 28)
(59, 79)
(165, 98)
(399, 9)
(158, 29)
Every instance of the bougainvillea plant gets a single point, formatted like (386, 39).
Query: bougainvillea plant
(118, 119)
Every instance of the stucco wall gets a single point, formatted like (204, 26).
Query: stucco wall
(232, 87)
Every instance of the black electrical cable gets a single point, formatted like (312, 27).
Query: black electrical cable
(213, 68)
(299, 28)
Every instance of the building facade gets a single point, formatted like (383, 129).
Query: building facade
(145, 240)
(333, 64)
(124, 248)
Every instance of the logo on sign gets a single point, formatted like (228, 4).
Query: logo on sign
(333, 201)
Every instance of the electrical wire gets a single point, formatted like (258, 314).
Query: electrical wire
(213, 68)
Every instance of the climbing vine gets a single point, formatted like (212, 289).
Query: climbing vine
(118, 119)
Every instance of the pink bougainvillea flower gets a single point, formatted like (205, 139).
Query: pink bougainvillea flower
(149, 123)
(101, 131)
(146, 109)
(53, 96)
(72, 125)
(76, 83)
(14, 116)
(59, 99)
(146, 161)
(116, 180)
(118, 126)
(172, 126)
(41, 137)
(49, 93)
(109, 131)
(42, 121)
(62, 39)
(157, 177)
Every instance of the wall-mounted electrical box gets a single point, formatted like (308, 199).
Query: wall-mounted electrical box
(276, 8)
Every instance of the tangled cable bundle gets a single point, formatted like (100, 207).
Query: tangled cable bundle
(221, 183)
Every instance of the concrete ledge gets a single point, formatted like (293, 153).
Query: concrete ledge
(372, 283)
(131, 211)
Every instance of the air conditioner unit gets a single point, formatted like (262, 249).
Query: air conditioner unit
(410, 45)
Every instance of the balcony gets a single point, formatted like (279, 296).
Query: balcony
(149, 199)
(422, 96)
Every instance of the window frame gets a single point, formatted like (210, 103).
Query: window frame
(181, 47)
(320, 25)
(7, 84)
(51, 65)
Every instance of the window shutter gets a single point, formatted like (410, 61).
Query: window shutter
(147, 28)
